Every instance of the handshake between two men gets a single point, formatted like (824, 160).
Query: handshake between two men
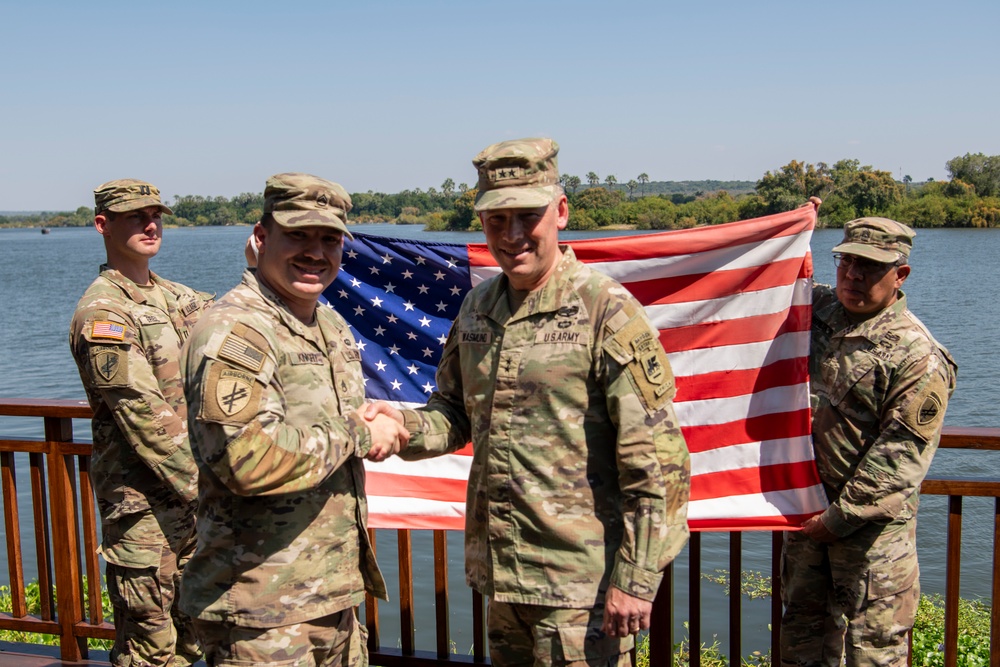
(386, 426)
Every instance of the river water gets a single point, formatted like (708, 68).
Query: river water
(43, 276)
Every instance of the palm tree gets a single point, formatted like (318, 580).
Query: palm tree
(643, 179)
(611, 181)
(573, 182)
(631, 185)
(448, 187)
(593, 179)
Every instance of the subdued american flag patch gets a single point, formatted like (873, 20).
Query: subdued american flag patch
(239, 351)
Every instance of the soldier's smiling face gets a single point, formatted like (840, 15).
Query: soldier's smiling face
(525, 241)
(298, 263)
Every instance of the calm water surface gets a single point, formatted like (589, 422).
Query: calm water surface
(43, 276)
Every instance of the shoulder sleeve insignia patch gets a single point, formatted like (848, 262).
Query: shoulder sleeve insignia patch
(110, 366)
(108, 330)
(230, 395)
(929, 409)
(648, 366)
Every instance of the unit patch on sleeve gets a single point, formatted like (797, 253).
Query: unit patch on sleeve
(110, 364)
(925, 413)
(649, 367)
(231, 395)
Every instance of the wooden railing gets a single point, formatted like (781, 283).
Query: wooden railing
(64, 530)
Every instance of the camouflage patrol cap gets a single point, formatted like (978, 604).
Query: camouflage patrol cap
(522, 173)
(304, 200)
(878, 239)
(127, 194)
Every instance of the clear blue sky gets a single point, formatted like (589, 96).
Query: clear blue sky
(211, 97)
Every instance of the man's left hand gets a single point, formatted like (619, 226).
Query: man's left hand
(817, 530)
(625, 614)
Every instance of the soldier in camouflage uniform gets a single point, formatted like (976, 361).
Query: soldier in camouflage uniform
(578, 491)
(273, 383)
(880, 387)
(126, 338)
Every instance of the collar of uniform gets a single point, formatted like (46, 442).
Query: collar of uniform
(133, 291)
(270, 298)
(874, 327)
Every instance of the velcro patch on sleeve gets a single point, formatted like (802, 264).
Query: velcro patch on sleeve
(648, 367)
(108, 330)
(230, 395)
(110, 365)
(924, 415)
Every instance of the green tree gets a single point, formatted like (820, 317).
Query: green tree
(611, 181)
(631, 185)
(593, 179)
(978, 170)
(643, 179)
(573, 182)
(448, 187)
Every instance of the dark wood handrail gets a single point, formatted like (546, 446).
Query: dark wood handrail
(65, 536)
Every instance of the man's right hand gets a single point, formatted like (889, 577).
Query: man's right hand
(386, 426)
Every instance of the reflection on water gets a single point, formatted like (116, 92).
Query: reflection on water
(43, 276)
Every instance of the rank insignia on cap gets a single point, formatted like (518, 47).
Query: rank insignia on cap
(109, 330)
(506, 174)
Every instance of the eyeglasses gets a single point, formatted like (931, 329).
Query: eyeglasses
(866, 267)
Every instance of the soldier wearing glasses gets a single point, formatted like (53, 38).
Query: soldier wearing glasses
(880, 387)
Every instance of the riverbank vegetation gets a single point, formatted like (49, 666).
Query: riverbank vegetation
(970, 198)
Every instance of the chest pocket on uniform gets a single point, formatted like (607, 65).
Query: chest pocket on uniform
(853, 385)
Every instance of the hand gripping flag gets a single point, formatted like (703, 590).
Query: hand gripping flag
(732, 304)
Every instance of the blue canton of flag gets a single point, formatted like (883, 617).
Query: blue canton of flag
(400, 298)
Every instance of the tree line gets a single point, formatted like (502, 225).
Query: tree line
(970, 198)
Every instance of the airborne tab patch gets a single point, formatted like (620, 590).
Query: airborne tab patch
(107, 329)
(241, 351)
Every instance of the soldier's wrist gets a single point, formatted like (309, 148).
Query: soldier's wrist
(361, 436)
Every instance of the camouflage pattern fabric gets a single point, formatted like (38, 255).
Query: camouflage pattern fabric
(337, 640)
(580, 476)
(126, 347)
(879, 393)
(552, 637)
(282, 510)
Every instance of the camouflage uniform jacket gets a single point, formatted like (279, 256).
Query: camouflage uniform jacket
(879, 393)
(281, 507)
(127, 350)
(580, 476)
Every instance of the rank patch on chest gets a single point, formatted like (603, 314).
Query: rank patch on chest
(108, 330)
(241, 351)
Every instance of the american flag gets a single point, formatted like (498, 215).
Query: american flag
(732, 303)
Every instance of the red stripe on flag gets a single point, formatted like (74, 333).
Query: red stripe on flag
(753, 429)
(407, 486)
(756, 480)
(724, 384)
(704, 286)
(752, 329)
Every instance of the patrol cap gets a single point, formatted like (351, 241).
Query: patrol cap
(878, 239)
(127, 194)
(522, 173)
(304, 200)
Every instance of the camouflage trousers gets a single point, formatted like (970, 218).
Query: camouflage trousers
(855, 598)
(144, 587)
(337, 640)
(523, 635)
